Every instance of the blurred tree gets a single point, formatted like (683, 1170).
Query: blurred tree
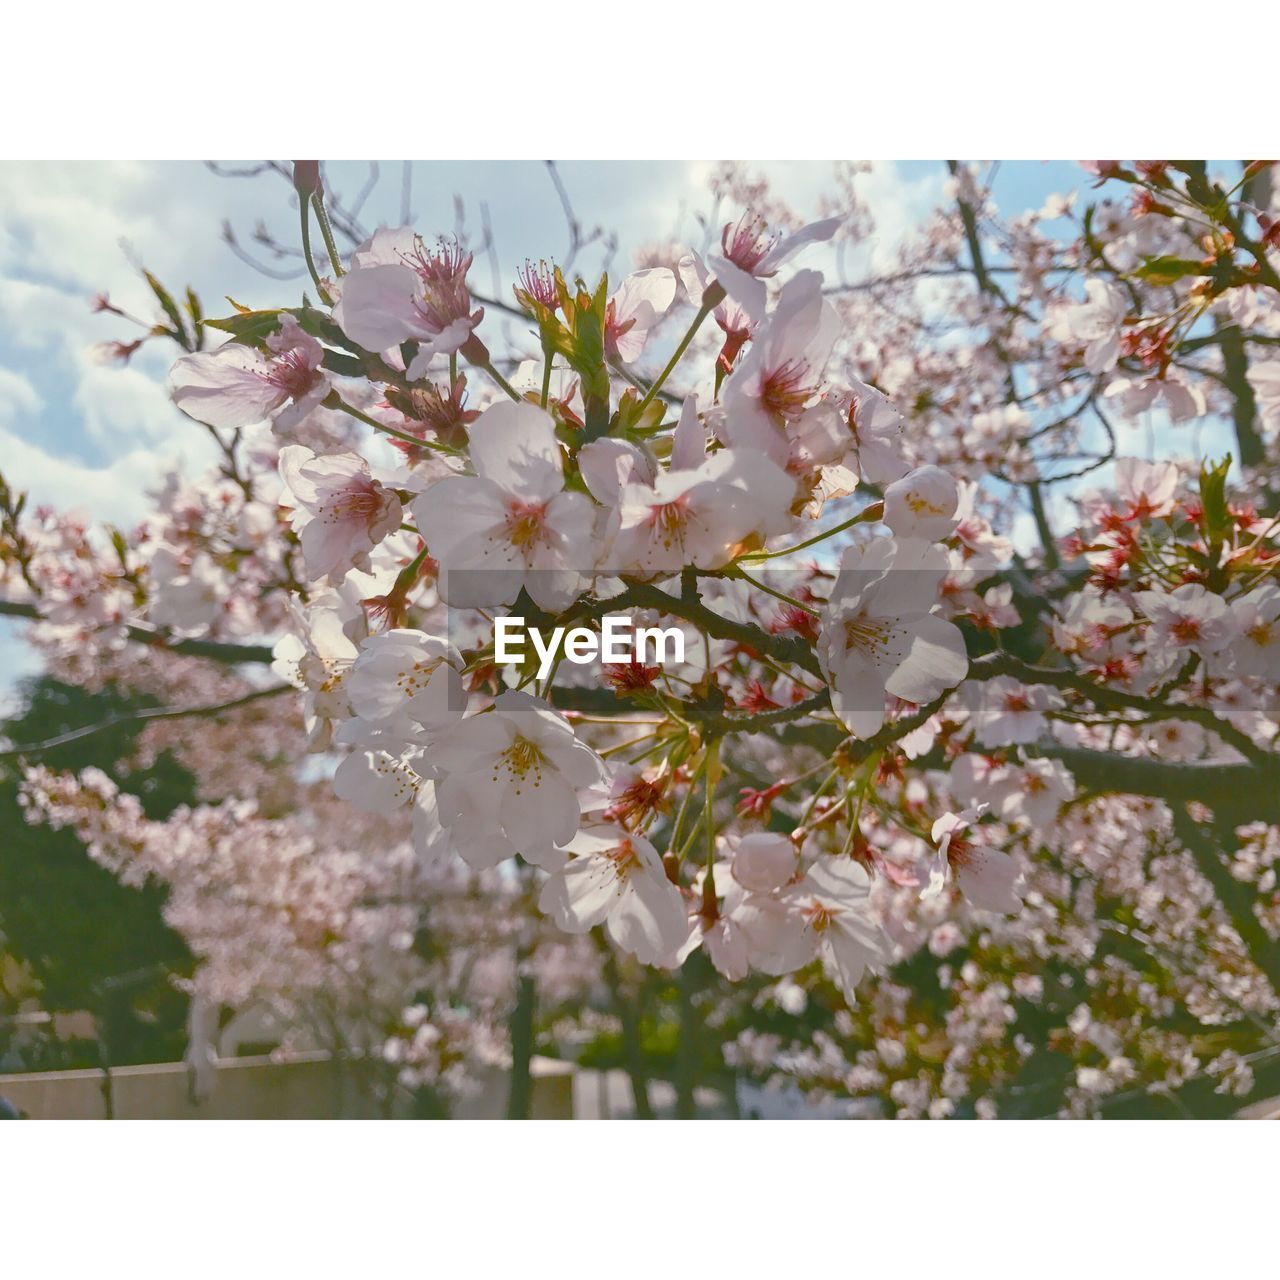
(92, 942)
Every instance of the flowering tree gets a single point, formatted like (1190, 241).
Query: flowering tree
(962, 795)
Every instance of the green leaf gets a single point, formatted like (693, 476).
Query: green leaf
(1166, 270)
(1213, 498)
(196, 313)
(628, 421)
(250, 327)
(170, 309)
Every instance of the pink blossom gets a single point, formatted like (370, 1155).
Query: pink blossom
(642, 299)
(236, 386)
(513, 524)
(340, 513)
(782, 371)
(750, 255)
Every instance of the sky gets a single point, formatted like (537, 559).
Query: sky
(82, 434)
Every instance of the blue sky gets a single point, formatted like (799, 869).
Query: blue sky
(78, 433)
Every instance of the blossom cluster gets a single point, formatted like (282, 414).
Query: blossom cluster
(931, 709)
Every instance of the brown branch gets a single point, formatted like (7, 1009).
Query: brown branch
(1235, 897)
(144, 716)
(1242, 789)
(1244, 405)
(689, 606)
(1005, 664)
(218, 650)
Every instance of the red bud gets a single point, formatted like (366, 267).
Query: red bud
(306, 177)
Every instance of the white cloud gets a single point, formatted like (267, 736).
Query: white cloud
(17, 395)
(116, 493)
(127, 405)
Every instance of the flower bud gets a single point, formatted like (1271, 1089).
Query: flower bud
(306, 177)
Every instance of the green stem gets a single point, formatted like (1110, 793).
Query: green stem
(703, 312)
(546, 376)
(873, 512)
(855, 818)
(673, 844)
(326, 231)
(817, 795)
(304, 209)
(713, 776)
(487, 366)
(334, 401)
(777, 595)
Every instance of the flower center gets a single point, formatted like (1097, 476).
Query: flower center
(667, 520)
(819, 917)
(521, 759)
(539, 283)
(526, 522)
(1262, 634)
(613, 327)
(358, 501)
(868, 635)
(414, 679)
(960, 852)
(921, 506)
(746, 242)
(1185, 630)
(622, 858)
(291, 374)
(787, 389)
(402, 778)
(443, 273)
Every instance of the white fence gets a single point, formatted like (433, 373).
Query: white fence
(308, 1086)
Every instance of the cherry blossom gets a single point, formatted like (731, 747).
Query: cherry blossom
(700, 514)
(1096, 324)
(641, 301)
(825, 915)
(403, 672)
(763, 861)
(782, 371)
(399, 290)
(1180, 398)
(1189, 618)
(730, 316)
(876, 428)
(340, 513)
(986, 876)
(187, 595)
(237, 386)
(750, 255)
(509, 779)
(616, 878)
(513, 524)
(1256, 651)
(1264, 377)
(317, 656)
(1009, 713)
(922, 504)
(880, 635)
(1146, 488)
(1041, 673)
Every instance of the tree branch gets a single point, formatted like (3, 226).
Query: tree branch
(218, 650)
(147, 714)
(998, 664)
(1235, 897)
